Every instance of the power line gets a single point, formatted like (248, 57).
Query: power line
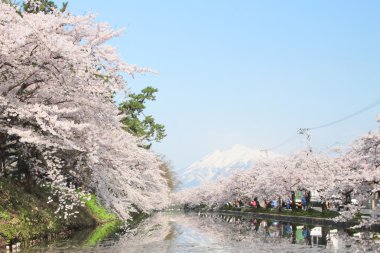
(290, 139)
(377, 102)
(306, 131)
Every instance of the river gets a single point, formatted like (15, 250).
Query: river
(192, 232)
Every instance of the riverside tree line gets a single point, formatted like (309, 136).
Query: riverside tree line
(353, 173)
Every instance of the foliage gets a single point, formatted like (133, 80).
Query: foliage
(169, 174)
(45, 6)
(98, 211)
(136, 122)
(24, 216)
(297, 213)
(104, 231)
(354, 173)
(58, 123)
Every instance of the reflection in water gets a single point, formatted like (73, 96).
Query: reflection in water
(178, 232)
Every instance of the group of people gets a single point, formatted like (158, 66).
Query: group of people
(305, 203)
(239, 203)
(255, 203)
(289, 203)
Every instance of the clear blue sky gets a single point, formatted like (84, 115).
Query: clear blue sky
(250, 72)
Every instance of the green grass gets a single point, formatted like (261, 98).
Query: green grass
(98, 211)
(25, 214)
(4, 215)
(110, 223)
(297, 213)
(104, 231)
(327, 214)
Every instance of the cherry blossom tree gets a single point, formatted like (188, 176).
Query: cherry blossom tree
(353, 174)
(359, 177)
(58, 122)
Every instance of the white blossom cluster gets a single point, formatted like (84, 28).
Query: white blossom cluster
(57, 80)
(354, 173)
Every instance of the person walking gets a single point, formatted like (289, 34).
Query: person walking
(304, 202)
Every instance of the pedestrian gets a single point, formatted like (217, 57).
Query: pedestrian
(303, 202)
(308, 200)
(288, 202)
(266, 204)
(257, 202)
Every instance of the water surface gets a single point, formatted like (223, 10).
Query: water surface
(191, 232)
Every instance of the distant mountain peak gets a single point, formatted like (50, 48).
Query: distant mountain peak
(221, 164)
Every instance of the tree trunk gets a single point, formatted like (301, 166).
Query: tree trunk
(308, 200)
(293, 205)
(279, 205)
(2, 154)
(23, 174)
(324, 206)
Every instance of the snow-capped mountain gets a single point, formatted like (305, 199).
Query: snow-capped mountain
(221, 164)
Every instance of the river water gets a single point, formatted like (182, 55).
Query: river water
(192, 232)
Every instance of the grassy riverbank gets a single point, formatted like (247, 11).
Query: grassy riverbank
(327, 214)
(25, 215)
(109, 224)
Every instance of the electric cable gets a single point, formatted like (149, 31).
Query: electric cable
(306, 131)
(290, 139)
(370, 106)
